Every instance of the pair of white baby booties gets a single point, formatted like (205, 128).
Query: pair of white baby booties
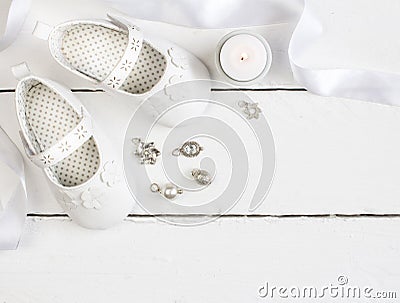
(58, 133)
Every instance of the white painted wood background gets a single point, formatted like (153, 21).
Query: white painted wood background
(333, 208)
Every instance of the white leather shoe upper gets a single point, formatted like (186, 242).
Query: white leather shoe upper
(116, 55)
(60, 137)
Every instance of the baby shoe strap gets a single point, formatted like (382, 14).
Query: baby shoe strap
(66, 146)
(42, 30)
(124, 67)
(21, 70)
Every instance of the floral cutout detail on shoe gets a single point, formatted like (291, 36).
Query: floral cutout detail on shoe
(110, 175)
(92, 198)
(178, 58)
(251, 110)
(71, 153)
(68, 201)
(135, 44)
(81, 132)
(47, 159)
(126, 65)
(64, 147)
(114, 82)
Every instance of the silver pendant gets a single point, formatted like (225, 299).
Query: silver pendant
(189, 149)
(201, 176)
(251, 110)
(146, 152)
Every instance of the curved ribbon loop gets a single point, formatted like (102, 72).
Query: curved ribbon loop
(367, 85)
(17, 12)
(12, 217)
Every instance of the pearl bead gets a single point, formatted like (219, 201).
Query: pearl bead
(170, 191)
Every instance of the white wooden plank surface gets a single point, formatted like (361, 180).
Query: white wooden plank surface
(333, 156)
(148, 261)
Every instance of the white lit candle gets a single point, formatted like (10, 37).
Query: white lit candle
(244, 57)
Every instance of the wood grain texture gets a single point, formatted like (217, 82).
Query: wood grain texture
(334, 156)
(228, 260)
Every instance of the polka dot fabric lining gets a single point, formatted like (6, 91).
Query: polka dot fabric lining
(95, 50)
(49, 118)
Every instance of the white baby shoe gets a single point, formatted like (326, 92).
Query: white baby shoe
(118, 56)
(60, 137)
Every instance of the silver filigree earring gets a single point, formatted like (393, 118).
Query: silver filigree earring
(189, 149)
(201, 176)
(146, 152)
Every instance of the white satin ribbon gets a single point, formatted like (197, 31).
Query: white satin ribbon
(368, 85)
(12, 217)
(17, 12)
(13, 211)
(211, 13)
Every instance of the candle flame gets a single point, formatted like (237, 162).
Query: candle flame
(244, 56)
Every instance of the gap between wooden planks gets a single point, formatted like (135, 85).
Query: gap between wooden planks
(317, 216)
(88, 90)
(316, 129)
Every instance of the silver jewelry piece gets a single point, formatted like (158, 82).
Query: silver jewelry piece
(201, 176)
(146, 152)
(170, 191)
(251, 110)
(189, 149)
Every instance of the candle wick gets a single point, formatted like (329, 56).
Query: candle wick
(243, 56)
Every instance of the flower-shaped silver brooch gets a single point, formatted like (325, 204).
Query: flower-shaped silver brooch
(251, 110)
